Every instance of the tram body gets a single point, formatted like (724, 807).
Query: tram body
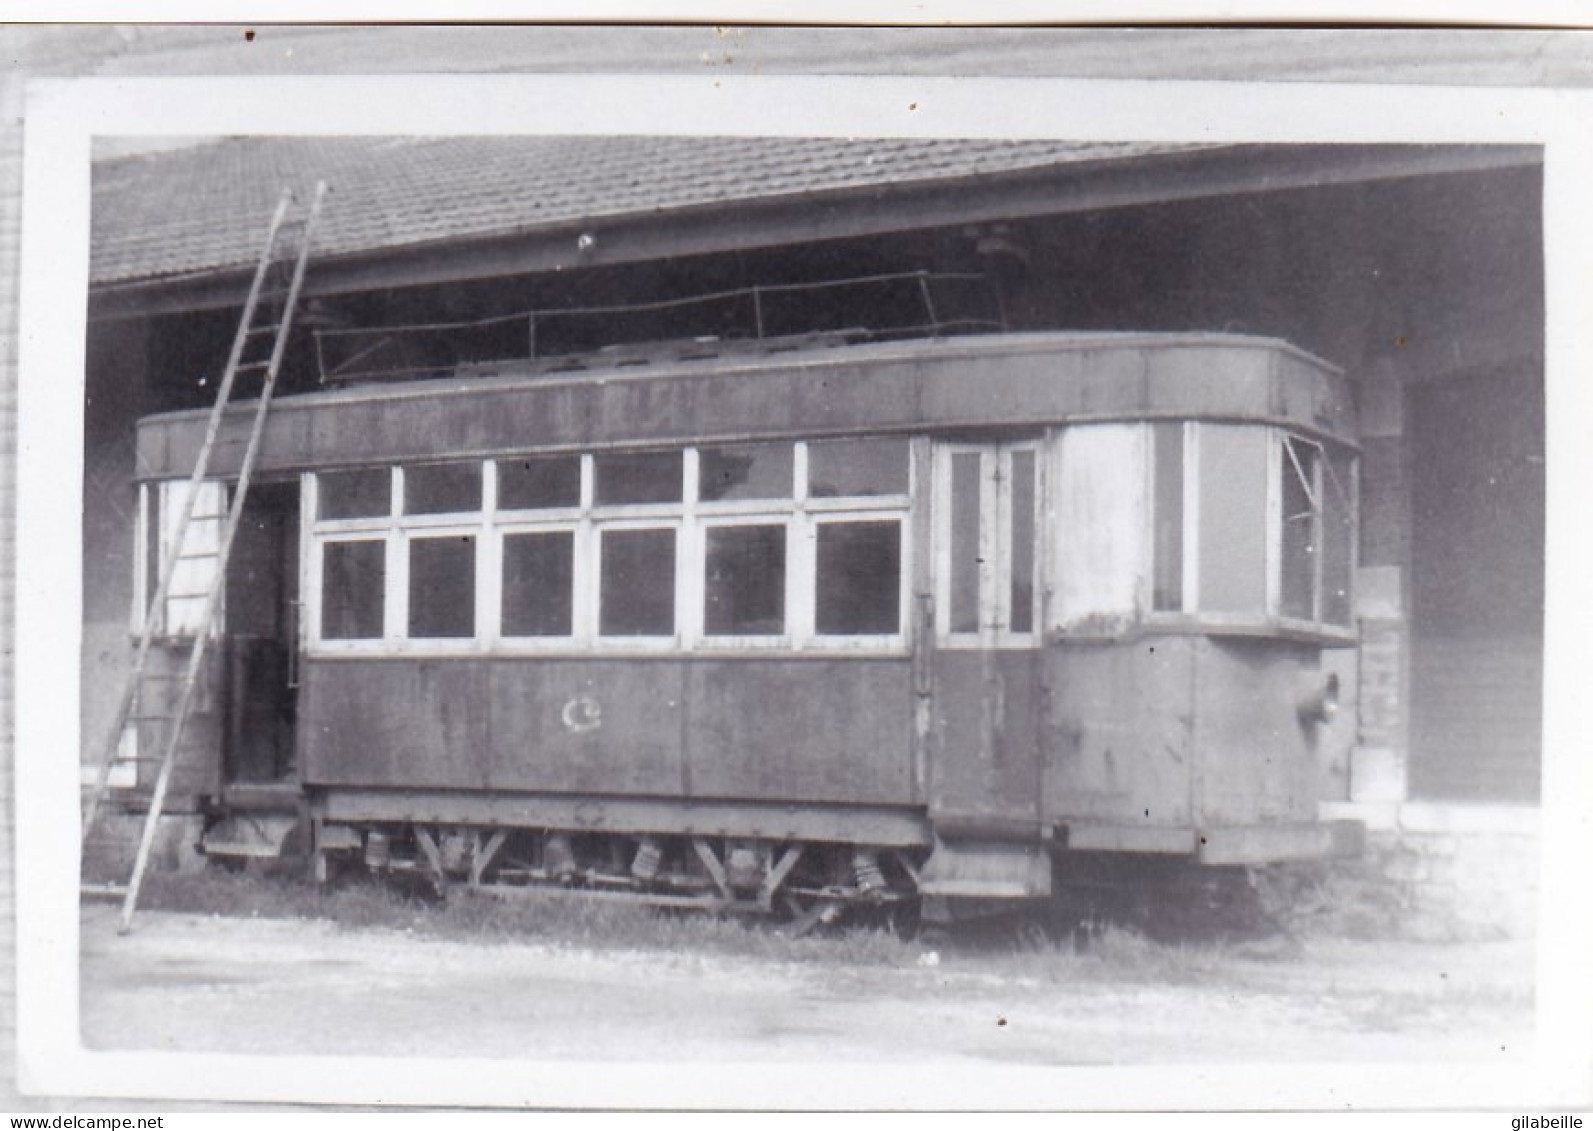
(920, 619)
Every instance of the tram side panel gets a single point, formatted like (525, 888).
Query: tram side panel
(808, 731)
(1158, 742)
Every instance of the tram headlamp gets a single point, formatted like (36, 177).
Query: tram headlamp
(1318, 698)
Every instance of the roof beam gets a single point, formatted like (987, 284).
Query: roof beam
(758, 223)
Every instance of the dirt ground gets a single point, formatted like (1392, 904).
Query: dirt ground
(200, 983)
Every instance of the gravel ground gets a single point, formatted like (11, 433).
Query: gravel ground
(204, 983)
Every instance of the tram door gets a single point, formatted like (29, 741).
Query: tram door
(262, 629)
(988, 699)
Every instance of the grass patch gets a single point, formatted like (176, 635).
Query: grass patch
(1333, 899)
(1101, 950)
(551, 918)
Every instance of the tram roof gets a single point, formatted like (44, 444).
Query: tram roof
(1019, 380)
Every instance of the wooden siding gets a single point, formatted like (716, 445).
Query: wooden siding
(773, 730)
(1016, 379)
(985, 765)
(1180, 732)
(1121, 747)
(1258, 763)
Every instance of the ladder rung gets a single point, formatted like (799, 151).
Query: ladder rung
(269, 328)
(103, 891)
(242, 365)
(188, 595)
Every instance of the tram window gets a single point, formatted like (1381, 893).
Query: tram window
(539, 484)
(744, 581)
(1168, 510)
(841, 468)
(637, 583)
(353, 585)
(748, 471)
(1020, 616)
(1338, 537)
(647, 477)
(442, 587)
(442, 488)
(966, 559)
(986, 540)
(1233, 520)
(858, 579)
(538, 584)
(1299, 545)
(364, 492)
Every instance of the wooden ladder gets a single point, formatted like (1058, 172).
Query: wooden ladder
(278, 280)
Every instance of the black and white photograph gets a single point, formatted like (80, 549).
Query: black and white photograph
(798, 591)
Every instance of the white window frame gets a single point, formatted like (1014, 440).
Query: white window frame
(1283, 462)
(1271, 614)
(587, 524)
(159, 505)
(808, 636)
(722, 520)
(1317, 491)
(808, 514)
(995, 545)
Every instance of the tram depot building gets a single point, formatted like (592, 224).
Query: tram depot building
(1416, 270)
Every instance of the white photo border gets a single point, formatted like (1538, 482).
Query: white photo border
(63, 118)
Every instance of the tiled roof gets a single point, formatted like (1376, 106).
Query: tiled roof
(204, 208)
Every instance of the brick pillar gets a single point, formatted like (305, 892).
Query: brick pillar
(1378, 763)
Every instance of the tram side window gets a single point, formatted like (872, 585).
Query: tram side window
(744, 580)
(442, 488)
(363, 492)
(745, 472)
(442, 588)
(988, 537)
(1020, 595)
(1338, 537)
(1167, 508)
(581, 551)
(1263, 545)
(1317, 547)
(858, 577)
(353, 589)
(1300, 544)
(638, 479)
(543, 483)
(538, 583)
(637, 583)
(967, 557)
(857, 468)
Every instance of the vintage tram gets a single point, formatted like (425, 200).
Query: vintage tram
(787, 625)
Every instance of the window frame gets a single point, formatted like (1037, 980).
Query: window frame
(1324, 480)
(154, 529)
(785, 639)
(587, 523)
(1269, 615)
(995, 544)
